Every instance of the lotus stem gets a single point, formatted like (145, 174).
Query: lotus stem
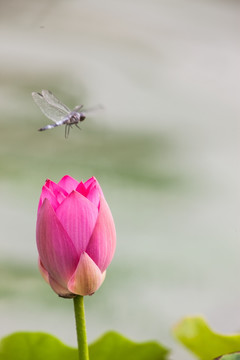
(81, 328)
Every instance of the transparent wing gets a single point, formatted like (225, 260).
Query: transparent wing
(51, 111)
(93, 109)
(78, 107)
(52, 100)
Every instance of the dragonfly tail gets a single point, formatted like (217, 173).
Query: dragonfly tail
(48, 127)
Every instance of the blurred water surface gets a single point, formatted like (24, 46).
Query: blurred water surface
(165, 151)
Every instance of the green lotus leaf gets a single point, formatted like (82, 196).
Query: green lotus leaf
(195, 334)
(111, 346)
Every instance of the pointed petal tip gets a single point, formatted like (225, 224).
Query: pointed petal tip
(68, 183)
(87, 278)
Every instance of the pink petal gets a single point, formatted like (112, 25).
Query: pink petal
(57, 190)
(60, 290)
(93, 183)
(78, 217)
(87, 278)
(56, 250)
(43, 271)
(89, 182)
(48, 194)
(94, 195)
(81, 189)
(68, 183)
(91, 190)
(102, 244)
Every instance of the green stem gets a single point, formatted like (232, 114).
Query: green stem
(81, 327)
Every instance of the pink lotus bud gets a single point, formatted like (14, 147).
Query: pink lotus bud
(76, 236)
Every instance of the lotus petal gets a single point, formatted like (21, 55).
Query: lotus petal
(78, 217)
(102, 244)
(68, 183)
(56, 249)
(87, 278)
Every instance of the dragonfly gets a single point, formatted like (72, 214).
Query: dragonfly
(59, 113)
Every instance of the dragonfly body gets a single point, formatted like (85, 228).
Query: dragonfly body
(72, 119)
(56, 111)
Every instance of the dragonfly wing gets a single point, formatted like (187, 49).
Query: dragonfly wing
(50, 111)
(52, 100)
(78, 107)
(93, 109)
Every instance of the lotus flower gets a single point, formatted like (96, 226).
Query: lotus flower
(76, 236)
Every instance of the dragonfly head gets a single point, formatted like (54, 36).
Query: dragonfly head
(82, 116)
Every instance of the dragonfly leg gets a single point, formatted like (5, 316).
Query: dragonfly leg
(66, 133)
(68, 129)
(78, 126)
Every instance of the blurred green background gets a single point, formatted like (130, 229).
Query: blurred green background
(165, 151)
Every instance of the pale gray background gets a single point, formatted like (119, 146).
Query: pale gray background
(166, 71)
